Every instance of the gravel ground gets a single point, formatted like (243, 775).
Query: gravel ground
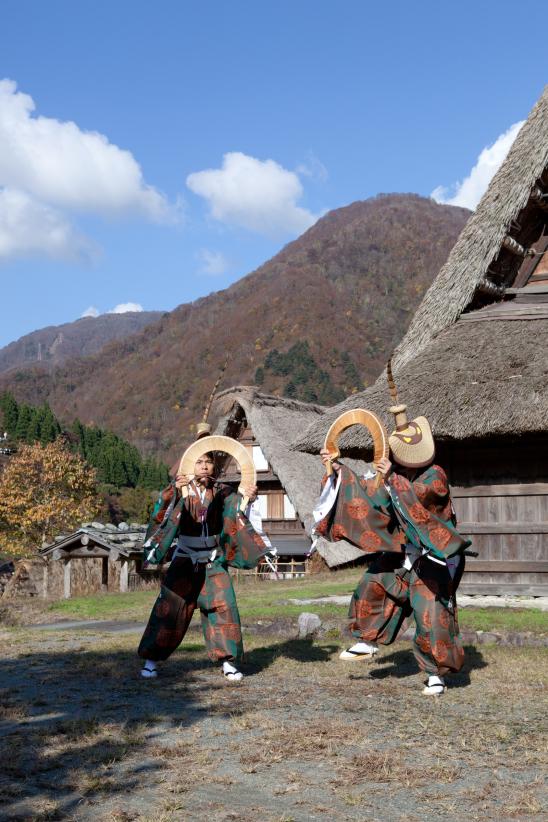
(305, 737)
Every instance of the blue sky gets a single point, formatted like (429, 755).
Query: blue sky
(175, 146)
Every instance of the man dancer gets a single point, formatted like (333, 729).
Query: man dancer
(413, 512)
(212, 534)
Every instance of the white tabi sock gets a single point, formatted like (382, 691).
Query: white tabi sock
(360, 650)
(434, 686)
(149, 669)
(231, 673)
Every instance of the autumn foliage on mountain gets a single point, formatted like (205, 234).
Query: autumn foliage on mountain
(317, 321)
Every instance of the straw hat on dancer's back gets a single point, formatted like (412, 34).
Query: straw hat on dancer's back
(411, 442)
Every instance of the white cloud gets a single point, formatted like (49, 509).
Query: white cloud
(59, 164)
(259, 195)
(31, 228)
(213, 263)
(469, 192)
(123, 308)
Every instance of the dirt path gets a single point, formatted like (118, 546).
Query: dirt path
(303, 738)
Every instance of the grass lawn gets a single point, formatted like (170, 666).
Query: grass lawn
(269, 600)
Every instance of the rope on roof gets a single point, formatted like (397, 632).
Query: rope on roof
(512, 245)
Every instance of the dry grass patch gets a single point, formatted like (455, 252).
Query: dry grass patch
(273, 742)
(389, 766)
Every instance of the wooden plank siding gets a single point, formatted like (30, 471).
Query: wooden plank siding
(508, 526)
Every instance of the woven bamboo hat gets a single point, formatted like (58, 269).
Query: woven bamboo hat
(411, 442)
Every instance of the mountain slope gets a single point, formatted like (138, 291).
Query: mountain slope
(57, 343)
(348, 287)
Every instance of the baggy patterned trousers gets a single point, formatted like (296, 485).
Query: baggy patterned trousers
(384, 598)
(186, 587)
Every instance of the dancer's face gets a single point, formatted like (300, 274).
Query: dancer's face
(204, 467)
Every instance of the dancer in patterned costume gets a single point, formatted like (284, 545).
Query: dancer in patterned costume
(212, 533)
(407, 527)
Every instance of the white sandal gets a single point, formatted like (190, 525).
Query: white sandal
(361, 650)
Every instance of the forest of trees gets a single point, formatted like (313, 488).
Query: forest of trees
(118, 463)
(306, 381)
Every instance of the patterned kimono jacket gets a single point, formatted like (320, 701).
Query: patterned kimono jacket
(240, 545)
(191, 584)
(425, 513)
(362, 514)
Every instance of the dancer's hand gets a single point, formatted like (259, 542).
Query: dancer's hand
(327, 456)
(181, 480)
(251, 492)
(384, 467)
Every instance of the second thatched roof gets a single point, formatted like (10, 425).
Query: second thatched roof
(275, 421)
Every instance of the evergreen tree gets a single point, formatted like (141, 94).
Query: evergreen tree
(35, 425)
(49, 425)
(10, 413)
(24, 420)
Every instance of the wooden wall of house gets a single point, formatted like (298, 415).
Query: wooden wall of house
(500, 494)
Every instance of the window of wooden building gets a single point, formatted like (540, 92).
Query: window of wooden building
(259, 460)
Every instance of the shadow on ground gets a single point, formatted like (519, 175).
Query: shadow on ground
(403, 663)
(75, 724)
(302, 650)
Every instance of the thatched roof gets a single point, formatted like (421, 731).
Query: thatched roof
(478, 373)
(475, 378)
(275, 421)
(480, 241)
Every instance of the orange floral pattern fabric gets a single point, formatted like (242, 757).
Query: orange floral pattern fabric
(186, 588)
(209, 588)
(362, 515)
(425, 513)
(384, 599)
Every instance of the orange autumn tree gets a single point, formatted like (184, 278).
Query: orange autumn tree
(44, 490)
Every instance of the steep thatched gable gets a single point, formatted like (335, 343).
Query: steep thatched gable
(481, 240)
(471, 367)
(275, 421)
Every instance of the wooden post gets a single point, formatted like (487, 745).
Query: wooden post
(104, 574)
(66, 579)
(124, 576)
(45, 577)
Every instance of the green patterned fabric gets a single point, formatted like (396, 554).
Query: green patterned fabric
(363, 515)
(187, 587)
(384, 598)
(381, 522)
(173, 515)
(424, 509)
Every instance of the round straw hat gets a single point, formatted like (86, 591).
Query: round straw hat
(411, 443)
